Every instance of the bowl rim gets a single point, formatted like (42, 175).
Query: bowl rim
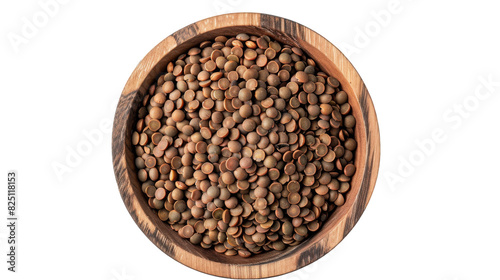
(316, 246)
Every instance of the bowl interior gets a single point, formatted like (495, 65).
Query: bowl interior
(326, 65)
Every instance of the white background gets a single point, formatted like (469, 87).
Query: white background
(432, 215)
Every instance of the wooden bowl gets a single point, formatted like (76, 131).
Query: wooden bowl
(268, 264)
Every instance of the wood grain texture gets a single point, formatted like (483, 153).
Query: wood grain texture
(268, 264)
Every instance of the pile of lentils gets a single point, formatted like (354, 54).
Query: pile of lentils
(244, 145)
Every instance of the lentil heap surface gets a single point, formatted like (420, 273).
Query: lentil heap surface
(244, 145)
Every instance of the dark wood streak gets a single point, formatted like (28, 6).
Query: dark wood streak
(359, 205)
(121, 150)
(166, 247)
(186, 33)
(283, 29)
(310, 255)
(119, 140)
